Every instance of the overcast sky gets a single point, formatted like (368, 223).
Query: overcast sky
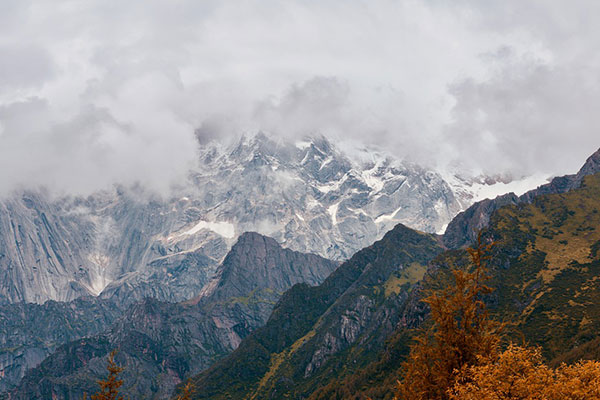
(99, 92)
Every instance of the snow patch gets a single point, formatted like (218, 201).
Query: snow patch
(98, 280)
(518, 187)
(330, 187)
(442, 229)
(311, 203)
(332, 210)
(472, 192)
(303, 144)
(225, 229)
(387, 217)
(325, 162)
(305, 158)
(371, 180)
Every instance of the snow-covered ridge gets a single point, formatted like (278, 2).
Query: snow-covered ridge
(309, 195)
(313, 196)
(469, 190)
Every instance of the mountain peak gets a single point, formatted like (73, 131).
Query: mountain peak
(257, 262)
(591, 165)
(248, 240)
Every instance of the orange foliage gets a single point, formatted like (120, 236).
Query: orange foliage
(458, 358)
(519, 373)
(109, 388)
(186, 393)
(461, 334)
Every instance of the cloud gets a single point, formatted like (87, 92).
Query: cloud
(24, 66)
(100, 92)
(527, 119)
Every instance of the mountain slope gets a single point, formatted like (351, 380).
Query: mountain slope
(313, 357)
(314, 330)
(162, 343)
(544, 270)
(463, 229)
(30, 332)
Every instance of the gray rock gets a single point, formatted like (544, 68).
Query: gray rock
(31, 332)
(126, 245)
(160, 343)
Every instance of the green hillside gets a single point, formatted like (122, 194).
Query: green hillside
(546, 275)
(317, 332)
(330, 341)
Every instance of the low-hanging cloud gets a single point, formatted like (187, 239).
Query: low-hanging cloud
(95, 93)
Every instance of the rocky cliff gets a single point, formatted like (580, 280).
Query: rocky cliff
(162, 343)
(315, 331)
(30, 332)
(126, 244)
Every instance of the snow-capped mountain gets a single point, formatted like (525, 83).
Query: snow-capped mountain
(309, 195)
(471, 189)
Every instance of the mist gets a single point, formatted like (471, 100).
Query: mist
(96, 93)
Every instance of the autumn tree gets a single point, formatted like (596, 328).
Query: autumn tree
(461, 333)
(186, 392)
(519, 373)
(109, 387)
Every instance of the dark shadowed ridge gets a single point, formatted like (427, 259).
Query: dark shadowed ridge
(256, 262)
(313, 329)
(160, 343)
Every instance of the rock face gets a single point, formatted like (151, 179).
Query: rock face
(161, 343)
(258, 262)
(463, 229)
(314, 330)
(544, 271)
(310, 196)
(546, 259)
(110, 244)
(42, 251)
(124, 244)
(30, 332)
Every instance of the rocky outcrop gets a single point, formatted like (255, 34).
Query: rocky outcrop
(42, 253)
(313, 330)
(258, 262)
(162, 343)
(109, 244)
(30, 332)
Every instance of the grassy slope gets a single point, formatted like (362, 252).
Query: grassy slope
(272, 360)
(546, 275)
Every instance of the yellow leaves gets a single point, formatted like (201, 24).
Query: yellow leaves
(519, 373)
(109, 388)
(461, 334)
(579, 381)
(186, 392)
